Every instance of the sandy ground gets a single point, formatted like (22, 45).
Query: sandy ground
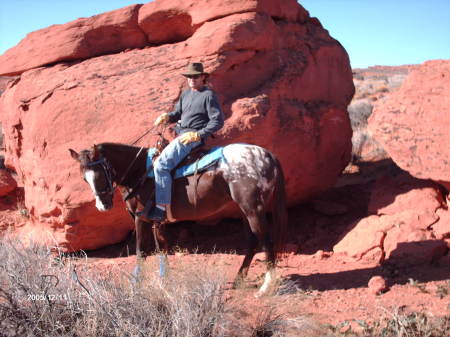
(327, 289)
(314, 282)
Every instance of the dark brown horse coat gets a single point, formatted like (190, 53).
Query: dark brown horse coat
(249, 178)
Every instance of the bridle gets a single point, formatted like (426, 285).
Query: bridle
(109, 173)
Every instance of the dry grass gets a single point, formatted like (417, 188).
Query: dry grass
(46, 294)
(41, 295)
(398, 324)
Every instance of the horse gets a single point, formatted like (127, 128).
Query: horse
(248, 178)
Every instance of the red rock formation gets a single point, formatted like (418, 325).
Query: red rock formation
(4, 80)
(284, 83)
(404, 210)
(377, 285)
(372, 85)
(83, 38)
(7, 183)
(441, 228)
(413, 124)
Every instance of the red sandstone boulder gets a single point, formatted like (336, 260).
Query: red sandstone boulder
(393, 195)
(177, 20)
(157, 22)
(441, 228)
(4, 80)
(7, 183)
(377, 285)
(284, 84)
(83, 38)
(412, 124)
(405, 208)
(372, 85)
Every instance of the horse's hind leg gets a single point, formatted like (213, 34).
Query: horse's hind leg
(259, 227)
(252, 243)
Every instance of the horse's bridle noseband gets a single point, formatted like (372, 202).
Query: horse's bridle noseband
(109, 172)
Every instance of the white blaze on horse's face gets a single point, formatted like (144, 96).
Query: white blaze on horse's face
(89, 176)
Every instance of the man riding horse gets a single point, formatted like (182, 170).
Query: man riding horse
(246, 179)
(198, 115)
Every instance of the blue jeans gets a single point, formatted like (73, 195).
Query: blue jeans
(169, 158)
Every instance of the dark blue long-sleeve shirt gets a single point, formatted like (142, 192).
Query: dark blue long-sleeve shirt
(198, 111)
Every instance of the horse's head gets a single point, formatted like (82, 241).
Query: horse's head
(98, 173)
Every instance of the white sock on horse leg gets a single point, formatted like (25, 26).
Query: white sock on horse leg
(268, 278)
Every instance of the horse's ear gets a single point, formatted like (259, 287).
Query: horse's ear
(95, 151)
(74, 154)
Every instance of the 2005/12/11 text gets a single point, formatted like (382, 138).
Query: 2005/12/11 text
(50, 297)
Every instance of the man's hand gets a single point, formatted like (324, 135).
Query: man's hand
(189, 137)
(162, 119)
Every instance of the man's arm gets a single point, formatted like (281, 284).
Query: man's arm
(175, 115)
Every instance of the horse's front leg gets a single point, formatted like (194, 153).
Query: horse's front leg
(139, 228)
(161, 238)
(140, 252)
(140, 235)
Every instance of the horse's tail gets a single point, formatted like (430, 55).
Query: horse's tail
(279, 211)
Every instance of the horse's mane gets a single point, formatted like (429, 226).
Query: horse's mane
(116, 147)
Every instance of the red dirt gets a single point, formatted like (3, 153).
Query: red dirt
(330, 287)
(330, 290)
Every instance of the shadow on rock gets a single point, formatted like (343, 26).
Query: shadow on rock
(422, 261)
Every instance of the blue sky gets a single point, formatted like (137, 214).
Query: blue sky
(386, 32)
(374, 32)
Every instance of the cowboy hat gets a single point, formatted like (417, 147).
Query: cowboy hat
(194, 69)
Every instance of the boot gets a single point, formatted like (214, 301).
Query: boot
(152, 214)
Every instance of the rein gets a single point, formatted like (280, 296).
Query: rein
(120, 181)
(145, 134)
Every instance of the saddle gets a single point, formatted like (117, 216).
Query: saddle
(191, 163)
(192, 157)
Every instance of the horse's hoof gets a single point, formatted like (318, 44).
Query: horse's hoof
(259, 294)
(238, 283)
(136, 273)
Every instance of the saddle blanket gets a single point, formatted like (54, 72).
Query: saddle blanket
(209, 159)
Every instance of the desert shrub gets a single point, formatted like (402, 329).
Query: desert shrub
(44, 296)
(395, 325)
(396, 81)
(47, 294)
(359, 111)
(365, 147)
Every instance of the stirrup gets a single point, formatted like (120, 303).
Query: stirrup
(157, 214)
(143, 215)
